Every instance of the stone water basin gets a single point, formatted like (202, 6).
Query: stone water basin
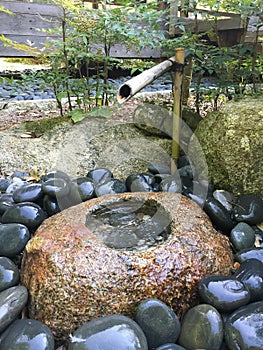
(108, 254)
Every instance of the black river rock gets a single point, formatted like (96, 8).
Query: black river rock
(13, 239)
(244, 328)
(250, 273)
(223, 292)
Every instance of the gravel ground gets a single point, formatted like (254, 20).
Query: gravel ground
(14, 112)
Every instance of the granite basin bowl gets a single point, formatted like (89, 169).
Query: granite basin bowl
(100, 258)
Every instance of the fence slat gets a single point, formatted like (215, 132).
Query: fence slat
(32, 8)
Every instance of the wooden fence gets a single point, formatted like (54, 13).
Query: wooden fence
(25, 24)
(28, 18)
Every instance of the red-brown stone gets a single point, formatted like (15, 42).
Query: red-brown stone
(72, 276)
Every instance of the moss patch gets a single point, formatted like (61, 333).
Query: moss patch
(44, 125)
(231, 140)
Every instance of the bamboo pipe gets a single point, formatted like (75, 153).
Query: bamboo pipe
(134, 85)
(177, 109)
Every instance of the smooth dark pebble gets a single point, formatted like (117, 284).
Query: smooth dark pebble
(244, 328)
(250, 272)
(223, 292)
(15, 185)
(85, 187)
(158, 322)
(199, 193)
(28, 193)
(210, 188)
(13, 239)
(12, 302)
(242, 236)
(156, 187)
(6, 201)
(201, 328)
(197, 199)
(150, 178)
(110, 332)
(137, 183)
(249, 208)
(4, 183)
(183, 161)
(170, 346)
(156, 168)
(50, 205)
(252, 253)
(187, 185)
(56, 187)
(26, 213)
(9, 273)
(225, 198)
(171, 184)
(186, 171)
(112, 186)
(100, 174)
(56, 174)
(27, 334)
(158, 178)
(72, 198)
(20, 174)
(219, 216)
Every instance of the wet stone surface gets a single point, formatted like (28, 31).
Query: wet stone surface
(224, 293)
(29, 214)
(13, 239)
(130, 225)
(250, 253)
(249, 209)
(219, 215)
(27, 334)
(9, 273)
(66, 264)
(132, 253)
(28, 193)
(242, 236)
(202, 328)
(170, 346)
(158, 322)
(111, 333)
(244, 328)
(12, 302)
(250, 273)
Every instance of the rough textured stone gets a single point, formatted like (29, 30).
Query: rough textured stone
(72, 276)
(157, 120)
(92, 143)
(232, 142)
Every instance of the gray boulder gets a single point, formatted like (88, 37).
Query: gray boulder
(75, 149)
(232, 142)
(157, 120)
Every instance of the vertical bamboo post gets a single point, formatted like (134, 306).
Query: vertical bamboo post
(173, 4)
(177, 108)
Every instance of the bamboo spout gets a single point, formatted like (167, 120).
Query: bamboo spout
(134, 85)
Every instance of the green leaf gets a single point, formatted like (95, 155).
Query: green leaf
(181, 27)
(199, 53)
(76, 115)
(60, 95)
(100, 111)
